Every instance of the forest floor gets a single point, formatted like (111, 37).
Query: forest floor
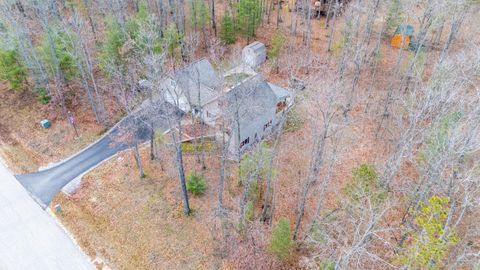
(134, 223)
(26, 146)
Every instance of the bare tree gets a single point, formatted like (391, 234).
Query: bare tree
(45, 14)
(328, 114)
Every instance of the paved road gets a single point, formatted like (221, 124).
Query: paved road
(30, 239)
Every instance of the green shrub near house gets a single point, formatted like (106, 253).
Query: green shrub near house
(196, 183)
(294, 121)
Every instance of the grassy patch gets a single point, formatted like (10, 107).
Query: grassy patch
(237, 77)
(189, 147)
(19, 159)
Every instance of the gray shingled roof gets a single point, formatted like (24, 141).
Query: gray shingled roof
(280, 92)
(198, 78)
(252, 97)
(256, 46)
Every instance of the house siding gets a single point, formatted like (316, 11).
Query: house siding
(254, 54)
(255, 130)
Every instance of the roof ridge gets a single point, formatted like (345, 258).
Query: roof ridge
(192, 63)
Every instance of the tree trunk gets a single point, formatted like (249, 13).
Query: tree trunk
(181, 174)
(202, 144)
(225, 146)
(152, 143)
(332, 31)
(214, 23)
(279, 8)
(58, 73)
(87, 5)
(267, 211)
(177, 142)
(316, 165)
(329, 10)
(138, 159)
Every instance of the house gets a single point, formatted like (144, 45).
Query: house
(254, 54)
(195, 88)
(251, 106)
(402, 37)
(256, 107)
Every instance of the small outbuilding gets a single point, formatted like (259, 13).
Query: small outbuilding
(403, 36)
(254, 54)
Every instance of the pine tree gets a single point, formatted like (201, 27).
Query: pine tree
(11, 69)
(135, 22)
(281, 243)
(110, 48)
(172, 40)
(227, 31)
(249, 16)
(63, 50)
(274, 53)
(199, 18)
(198, 14)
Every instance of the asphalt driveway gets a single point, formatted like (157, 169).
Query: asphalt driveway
(44, 185)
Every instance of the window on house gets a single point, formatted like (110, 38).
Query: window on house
(210, 115)
(245, 142)
(267, 125)
(195, 111)
(281, 105)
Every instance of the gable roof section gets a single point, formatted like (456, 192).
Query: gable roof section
(199, 81)
(256, 46)
(202, 70)
(404, 30)
(280, 92)
(251, 99)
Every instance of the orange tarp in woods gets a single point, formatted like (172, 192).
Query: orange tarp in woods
(397, 41)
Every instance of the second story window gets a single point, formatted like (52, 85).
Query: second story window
(267, 125)
(210, 115)
(244, 142)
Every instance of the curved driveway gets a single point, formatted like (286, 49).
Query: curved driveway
(44, 185)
